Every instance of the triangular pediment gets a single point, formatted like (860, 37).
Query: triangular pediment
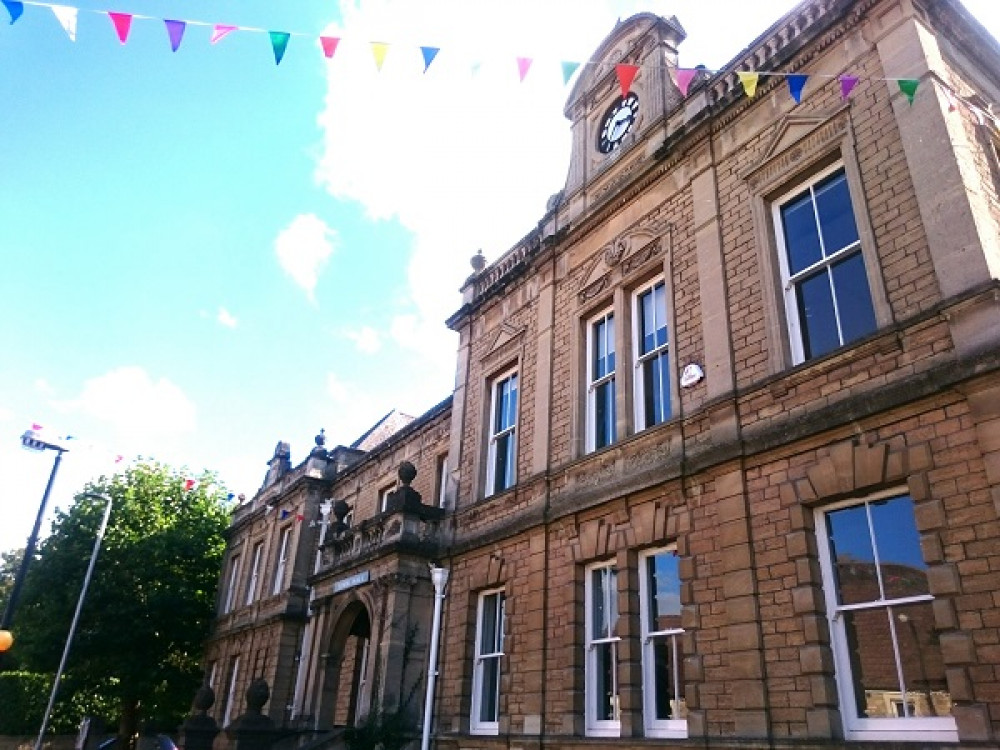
(791, 129)
(508, 332)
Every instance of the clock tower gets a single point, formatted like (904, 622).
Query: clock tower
(609, 128)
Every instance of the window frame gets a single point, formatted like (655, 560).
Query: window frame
(664, 350)
(383, 497)
(477, 725)
(253, 578)
(596, 727)
(227, 709)
(281, 561)
(653, 727)
(857, 728)
(507, 432)
(790, 283)
(594, 383)
(233, 583)
(442, 479)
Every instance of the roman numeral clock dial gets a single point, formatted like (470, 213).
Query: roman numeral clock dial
(617, 122)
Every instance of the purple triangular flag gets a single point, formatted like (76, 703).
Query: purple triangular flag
(175, 30)
(847, 84)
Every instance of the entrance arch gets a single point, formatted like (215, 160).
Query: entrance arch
(346, 691)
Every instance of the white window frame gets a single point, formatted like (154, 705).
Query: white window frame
(254, 578)
(597, 727)
(495, 435)
(596, 382)
(788, 281)
(234, 671)
(481, 658)
(383, 497)
(662, 728)
(234, 571)
(916, 729)
(663, 350)
(284, 539)
(442, 472)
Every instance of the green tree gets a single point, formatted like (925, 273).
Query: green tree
(9, 563)
(151, 600)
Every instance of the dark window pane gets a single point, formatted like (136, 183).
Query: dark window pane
(487, 643)
(798, 222)
(605, 692)
(656, 382)
(504, 467)
(854, 299)
(873, 665)
(604, 414)
(490, 690)
(816, 316)
(920, 656)
(663, 677)
(836, 217)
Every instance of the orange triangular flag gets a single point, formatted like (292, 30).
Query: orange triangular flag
(379, 50)
(749, 79)
(626, 74)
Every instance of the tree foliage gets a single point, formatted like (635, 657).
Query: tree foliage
(9, 563)
(151, 599)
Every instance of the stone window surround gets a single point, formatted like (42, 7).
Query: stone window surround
(485, 472)
(625, 281)
(826, 141)
(476, 726)
(603, 316)
(599, 727)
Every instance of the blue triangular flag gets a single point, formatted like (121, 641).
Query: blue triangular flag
(429, 54)
(15, 8)
(796, 82)
(284, 515)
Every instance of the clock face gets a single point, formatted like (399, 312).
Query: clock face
(617, 122)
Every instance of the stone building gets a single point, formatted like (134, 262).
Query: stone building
(722, 462)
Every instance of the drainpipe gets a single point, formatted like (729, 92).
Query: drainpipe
(439, 576)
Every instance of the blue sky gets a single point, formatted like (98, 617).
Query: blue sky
(204, 253)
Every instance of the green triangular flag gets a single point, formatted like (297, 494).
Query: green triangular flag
(279, 42)
(909, 87)
(569, 68)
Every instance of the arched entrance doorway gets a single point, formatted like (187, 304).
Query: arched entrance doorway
(346, 693)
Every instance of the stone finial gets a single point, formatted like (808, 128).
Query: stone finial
(204, 699)
(257, 694)
(321, 438)
(407, 472)
(199, 730)
(319, 451)
(340, 511)
(478, 261)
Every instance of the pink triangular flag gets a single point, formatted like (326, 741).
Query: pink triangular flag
(35, 426)
(122, 23)
(175, 30)
(523, 66)
(329, 44)
(626, 74)
(67, 19)
(847, 84)
(684, 78)
(219, 31)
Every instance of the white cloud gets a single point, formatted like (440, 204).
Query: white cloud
(226, 318)
(303, 248)
(366, 339)
(134, 404)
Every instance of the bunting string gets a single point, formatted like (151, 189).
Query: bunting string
(67, 17)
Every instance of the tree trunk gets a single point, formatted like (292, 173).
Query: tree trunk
(128, 727)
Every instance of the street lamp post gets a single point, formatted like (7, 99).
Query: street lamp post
(31, 440)
(76, 615)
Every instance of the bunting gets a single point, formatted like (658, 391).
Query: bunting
(523, 66)
(626, 74)
(122, 23)
(749, 79)
(279, 43)
(220, 31)
(684, 78)
(329, 45)
(67, 18)
(568, 69)
(379, 51)
(909, 88)
(429, 54)
(15, 9)
(175, 32)
(796, 82)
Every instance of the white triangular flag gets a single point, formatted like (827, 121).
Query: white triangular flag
(67, 17)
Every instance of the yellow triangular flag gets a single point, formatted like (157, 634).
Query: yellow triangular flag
(379, 49)
(749, 80)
